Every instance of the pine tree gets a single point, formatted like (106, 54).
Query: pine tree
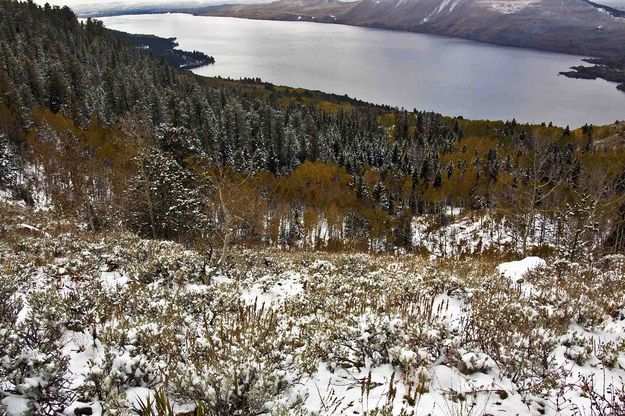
(161, 201)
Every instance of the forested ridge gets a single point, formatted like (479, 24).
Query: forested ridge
(103, 132)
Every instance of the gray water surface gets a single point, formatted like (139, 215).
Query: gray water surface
(451, 76)
(617, 4)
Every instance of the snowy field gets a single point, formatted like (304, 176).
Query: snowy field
(110, 324)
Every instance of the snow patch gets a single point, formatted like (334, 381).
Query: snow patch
(16, 405)
(34, 230)
(507, 6)
(113, 280)
(270, 292)
(515, 270)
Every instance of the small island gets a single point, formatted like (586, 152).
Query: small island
(166, 48)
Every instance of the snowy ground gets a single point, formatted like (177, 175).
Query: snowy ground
(477, 234)
(507, 6)
(106, 323)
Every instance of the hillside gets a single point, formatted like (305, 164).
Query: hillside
(172, 245)
(154, 149)
(110, 323)
(569, 26)
(323, 11)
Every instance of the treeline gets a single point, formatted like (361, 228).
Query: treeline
(102, 131)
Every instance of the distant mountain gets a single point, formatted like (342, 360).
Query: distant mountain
(325, 11)
(572, 26)
(87, 8)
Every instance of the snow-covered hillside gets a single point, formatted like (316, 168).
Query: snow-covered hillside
(107, 324)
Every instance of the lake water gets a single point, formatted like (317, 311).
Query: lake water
(450, 76)
(617, 4)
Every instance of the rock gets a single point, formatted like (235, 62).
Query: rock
(83, 411)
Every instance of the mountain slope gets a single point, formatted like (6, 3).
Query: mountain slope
(308, 10)
(570, 26)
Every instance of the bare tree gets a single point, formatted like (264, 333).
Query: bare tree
(233, 204)
(527, 193)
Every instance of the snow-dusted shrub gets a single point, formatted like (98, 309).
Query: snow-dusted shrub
(10, 302)
(475, 362)
(608, 353)
(76, 263)
(519, 336)
(105, 382)
(408, 360)
(136, 365)
(365, 338)
(609, 401)
(581, 293)
(322, 266)
(414, 368)
(241, 371)
(142, 341)
(578, 349)
(84, 310)
(167, 263)
(32, 364)
(578, 353)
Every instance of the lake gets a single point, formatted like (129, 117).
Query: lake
(451, 76)
(617, 4)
